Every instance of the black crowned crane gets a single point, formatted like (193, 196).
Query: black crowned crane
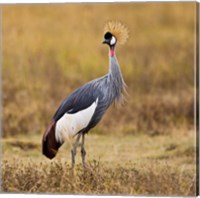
(85, 107)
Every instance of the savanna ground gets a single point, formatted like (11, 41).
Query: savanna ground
(147, 146)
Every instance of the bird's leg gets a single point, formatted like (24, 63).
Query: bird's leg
(73, 151)
(83, 152)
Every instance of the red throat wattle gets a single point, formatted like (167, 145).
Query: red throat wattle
(112, 52)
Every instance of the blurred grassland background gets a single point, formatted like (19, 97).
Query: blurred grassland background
(49, 50)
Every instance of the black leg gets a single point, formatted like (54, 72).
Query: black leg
(83, 152)
(73, 151)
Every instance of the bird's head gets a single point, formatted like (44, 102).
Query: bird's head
(110, 39)
(115, 32)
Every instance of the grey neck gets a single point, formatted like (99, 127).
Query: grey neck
(115, 75)
(113, 64)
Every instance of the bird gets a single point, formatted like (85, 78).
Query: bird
(84, 108)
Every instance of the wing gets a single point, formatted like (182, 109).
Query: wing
(80, 99)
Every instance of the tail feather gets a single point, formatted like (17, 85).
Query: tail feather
(49, 144)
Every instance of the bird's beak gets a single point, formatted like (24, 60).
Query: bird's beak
(106, 41)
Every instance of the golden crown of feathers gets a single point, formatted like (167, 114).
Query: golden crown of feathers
(118, 29)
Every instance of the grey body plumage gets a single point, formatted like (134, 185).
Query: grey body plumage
(105, 90)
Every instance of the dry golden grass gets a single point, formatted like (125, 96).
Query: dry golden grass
(57, 177)
(146, 147)
(128, 165)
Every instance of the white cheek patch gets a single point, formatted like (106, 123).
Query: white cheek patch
(113, 40)
(70, 124)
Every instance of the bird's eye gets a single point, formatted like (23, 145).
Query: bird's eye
(113, 40)
(108, 35)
